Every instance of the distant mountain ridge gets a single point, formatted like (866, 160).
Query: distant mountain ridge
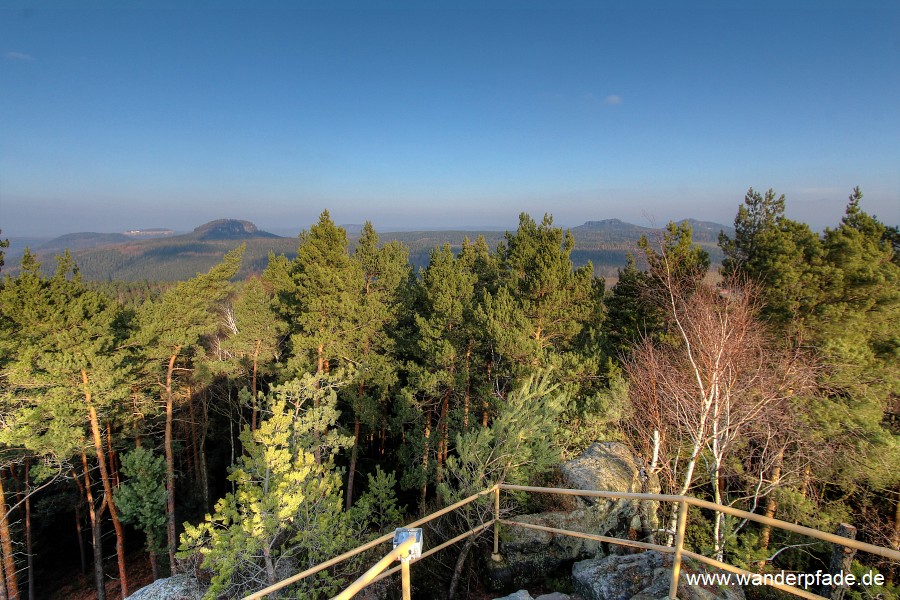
(83, 240)
(116, 256)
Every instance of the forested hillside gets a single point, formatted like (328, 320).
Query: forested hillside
(254, 420)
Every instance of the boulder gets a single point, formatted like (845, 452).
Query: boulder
(610, 466)
(524, 595)
(643, 576)
(178, 587)
(520, 595)
(605, 466)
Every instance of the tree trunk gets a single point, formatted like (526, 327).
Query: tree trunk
(353, 453)
(78, 531)
(204, 473)
(714, 475)
(468, 394)
(9, 559)
(460, 563)
(28, 546)
(253, 385)
(765, 532)
(895, 533)
(3, 595)
(442, 439)
(685, 486)
(841, 560)
(170, 463)
(484, 402)
(425, 463)
(719, 523)
(96, 532)
(151, 552)
(195, 439)
(270, 567)
(649, 521)
(107, 487)
(320, 369)
(113, 467)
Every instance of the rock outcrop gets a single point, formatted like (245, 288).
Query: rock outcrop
(643, 576)
(607, 466)
(611, 466)
(524, 595)
(177, 587)
(528, 555)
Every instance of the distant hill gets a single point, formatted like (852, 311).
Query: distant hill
(116, 256)
(229, 229)
(80, 241)
(110, 257)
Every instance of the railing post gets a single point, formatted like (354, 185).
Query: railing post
(496, 555)
(679, 546)
(404, 577)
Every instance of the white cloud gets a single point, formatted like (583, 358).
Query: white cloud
(18, 56)
(613, 99)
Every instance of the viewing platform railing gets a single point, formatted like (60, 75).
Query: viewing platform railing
(380, 570)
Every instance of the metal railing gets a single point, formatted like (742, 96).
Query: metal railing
(380, 570)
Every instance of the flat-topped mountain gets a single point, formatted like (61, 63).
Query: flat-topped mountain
(229, 229)
(611, 225)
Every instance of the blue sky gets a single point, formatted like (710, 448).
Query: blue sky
(172, 114)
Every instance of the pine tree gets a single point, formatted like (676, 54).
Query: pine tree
(836, 295)
(547, 314)
(783, 256)
(630, 315)
(172, 327)
(4, 243)
(446, 292)
(142, 498)
(70, 371)
(254, 333)
(384, 272)
(285, 511)
(855, 330)
(521, 443)
(323, 297)
(554, 296)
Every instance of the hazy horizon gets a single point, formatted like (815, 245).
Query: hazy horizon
(455, 115)
(283, 231)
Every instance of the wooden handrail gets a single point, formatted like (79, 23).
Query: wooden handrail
(440, 547)
(678, 550)
(728, 510)
(592, 536)
(367, 577)
(385, 538)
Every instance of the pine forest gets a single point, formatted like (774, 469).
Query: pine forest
(241, 429)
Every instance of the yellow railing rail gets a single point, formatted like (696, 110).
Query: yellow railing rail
(366, 578)
(679, 551)
(385, 538)
(736, 512)
(380, 571)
